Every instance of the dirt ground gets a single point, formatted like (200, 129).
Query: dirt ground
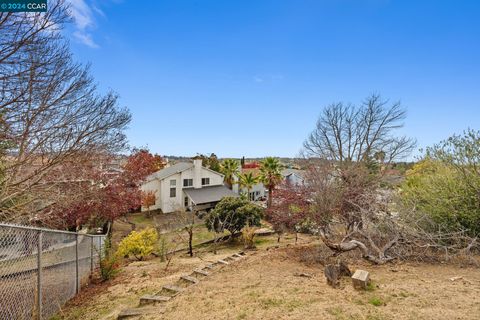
(264, 286)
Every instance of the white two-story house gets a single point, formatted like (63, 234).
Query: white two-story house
(186, 186)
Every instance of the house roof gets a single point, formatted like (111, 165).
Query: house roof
(166, 172)
(288, 171)
(254, 171)
(209, 194)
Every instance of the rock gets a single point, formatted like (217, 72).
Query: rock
(360, 279)
(456, 278)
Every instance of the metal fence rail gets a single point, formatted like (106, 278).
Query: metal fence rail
(41, 269)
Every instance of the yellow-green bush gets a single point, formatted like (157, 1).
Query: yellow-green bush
(248, 235)
(138, 244)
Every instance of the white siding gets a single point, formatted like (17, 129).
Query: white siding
(171, 204)
(162, 188)
(153, 185)
(258, 190)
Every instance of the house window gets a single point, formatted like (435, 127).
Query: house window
(173, 192)
(186, 202)
(205, 181)
(173, 183)
(187, 182)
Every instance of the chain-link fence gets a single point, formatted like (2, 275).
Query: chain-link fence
(41, 269)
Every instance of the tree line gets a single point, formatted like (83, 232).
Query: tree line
(58, 132)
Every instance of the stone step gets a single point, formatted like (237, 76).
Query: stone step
(150, 298)
(200, 272)
(222, 261)
(242, 253)
(189, 279)
(209, 266)
(137, 312)
(229, 258)
(237, 255)
(172, 289)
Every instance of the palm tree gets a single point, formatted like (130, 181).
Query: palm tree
(270, 175)
(229, 168)
(247, 180)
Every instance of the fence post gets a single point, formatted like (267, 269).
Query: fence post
(77, 285)
(101, 249)
(39, 274)
(91, 255)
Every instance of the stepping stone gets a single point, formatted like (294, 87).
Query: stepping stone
(209, 266)
(223, 262)
(172, 289)
(150, 298)
(229, 258)
(136, 312)
(237, 255)
(189, 279)
(200, 272)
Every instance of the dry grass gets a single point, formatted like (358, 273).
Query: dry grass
(264, 286)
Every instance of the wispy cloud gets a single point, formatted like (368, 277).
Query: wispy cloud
(85, 38)
(268, 77)
(257, 79)
(83, 15)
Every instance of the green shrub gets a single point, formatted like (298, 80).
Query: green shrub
(377, 302)
(162, 249)
(444, 194)
(138, 244)
(233, 214)
(248, 235)
(109, 265)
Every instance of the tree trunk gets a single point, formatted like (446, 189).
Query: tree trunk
(190, 240)
(350, 245)
(215, 241)
(270, 194)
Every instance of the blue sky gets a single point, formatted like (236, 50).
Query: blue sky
(250, 77)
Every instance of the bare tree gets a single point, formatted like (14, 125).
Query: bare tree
(350, 210)
(346, 133)
(52, 110)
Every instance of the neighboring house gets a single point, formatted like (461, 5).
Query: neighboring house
(258, 190)
(290, 176)
(293, 176)
(186, 185)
